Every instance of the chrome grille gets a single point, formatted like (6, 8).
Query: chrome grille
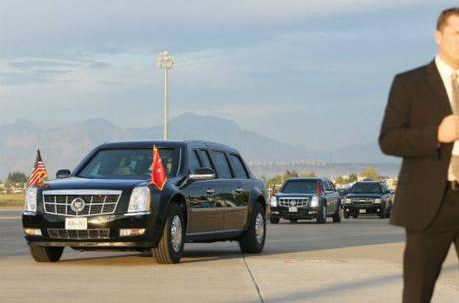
(363, 200)
(298, 202)
(96, 202)
(88, 234)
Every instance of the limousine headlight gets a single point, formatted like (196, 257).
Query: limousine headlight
(140, 200)
(347, 201)
(31, 199)
(273, 202)
(315, 201)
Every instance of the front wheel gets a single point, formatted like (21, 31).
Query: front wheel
(322, 215)
(170, 246)
(46, 254)
(253, 239)
(274, 220)
(382, 212)
(338, 215)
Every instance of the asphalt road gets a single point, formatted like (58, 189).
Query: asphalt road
(302, 262)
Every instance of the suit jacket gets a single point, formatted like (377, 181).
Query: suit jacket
(417, 104)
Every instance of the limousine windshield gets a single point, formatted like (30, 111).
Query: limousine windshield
(127, 164)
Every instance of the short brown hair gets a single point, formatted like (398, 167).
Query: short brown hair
(444, 16)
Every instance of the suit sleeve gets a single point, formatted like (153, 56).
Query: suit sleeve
(397, 137)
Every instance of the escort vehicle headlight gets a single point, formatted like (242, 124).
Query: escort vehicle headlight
(273, 201)
(378, 201)
(347, 201)
(315, 201)
(140, 200)
(31, 199)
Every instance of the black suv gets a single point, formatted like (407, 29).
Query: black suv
(367, 197)
(107, 202)
(306, 198)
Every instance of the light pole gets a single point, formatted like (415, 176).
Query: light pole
(165, 61)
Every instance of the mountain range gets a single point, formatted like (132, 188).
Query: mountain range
(64, 146)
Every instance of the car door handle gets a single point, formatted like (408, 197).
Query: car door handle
(211, 192)
(239, 190)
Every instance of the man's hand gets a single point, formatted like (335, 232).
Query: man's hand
(448, 131)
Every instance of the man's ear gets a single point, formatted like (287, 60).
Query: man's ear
(438, 37)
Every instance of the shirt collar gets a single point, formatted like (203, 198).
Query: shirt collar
(445, 70)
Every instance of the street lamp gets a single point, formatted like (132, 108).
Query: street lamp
(165, 62)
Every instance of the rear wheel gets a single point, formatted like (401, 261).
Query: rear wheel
(46, 254)
(253, 239)
(170, 246)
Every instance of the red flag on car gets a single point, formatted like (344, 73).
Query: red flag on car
(158, 172)
(39, 172)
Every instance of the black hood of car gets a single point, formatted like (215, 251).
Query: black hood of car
(83, 183)
(289, 195)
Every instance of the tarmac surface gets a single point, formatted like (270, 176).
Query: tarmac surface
(358, 260)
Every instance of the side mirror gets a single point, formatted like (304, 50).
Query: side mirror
(63, 173)
(202, 173)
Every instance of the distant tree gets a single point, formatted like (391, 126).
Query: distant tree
(291, 174)
(16, 177)
(370, 173)
(309, 174)
(339, 180)
(353, 178)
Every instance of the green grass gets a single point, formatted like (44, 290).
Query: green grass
(11, 200)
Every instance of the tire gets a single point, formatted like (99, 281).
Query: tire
(338, 215)
(274, 220)
(168, 250)
(46, 254)
(382, 212)
(346, 215)
(388, 213)
(355, 216)
(322, 215)
(293, 220)
(253, 239)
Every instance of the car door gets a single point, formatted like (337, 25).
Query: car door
(202, 217)
(229, 197)
(241, 190)
(332, 197)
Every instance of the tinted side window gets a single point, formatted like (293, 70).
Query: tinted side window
(204, 155)
(222, 166)
(194, 161)
(238, 167)
(327, 186)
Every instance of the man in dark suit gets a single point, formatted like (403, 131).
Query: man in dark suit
(421, 125)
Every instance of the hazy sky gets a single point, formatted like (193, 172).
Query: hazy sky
(313, 72)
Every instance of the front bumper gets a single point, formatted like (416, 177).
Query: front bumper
(362, 208)
(53, 232)
(301, 213)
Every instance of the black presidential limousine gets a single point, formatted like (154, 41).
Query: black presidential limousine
(107, 202)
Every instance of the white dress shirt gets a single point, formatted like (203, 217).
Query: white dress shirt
(446, 72)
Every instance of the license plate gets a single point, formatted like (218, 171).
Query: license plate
(76, 223)
(293, 209)
(362, 211)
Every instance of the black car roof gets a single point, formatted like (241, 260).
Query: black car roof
(171, 143)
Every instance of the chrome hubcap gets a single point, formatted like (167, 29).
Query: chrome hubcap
(259, 228)
(176, 233)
